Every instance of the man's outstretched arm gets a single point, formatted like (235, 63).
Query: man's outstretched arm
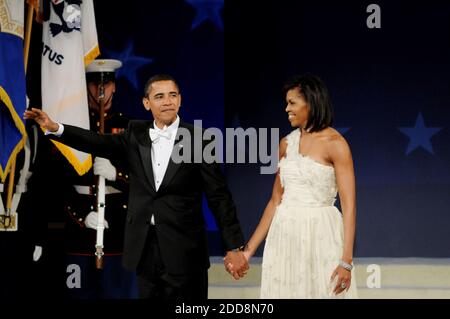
(108, 145)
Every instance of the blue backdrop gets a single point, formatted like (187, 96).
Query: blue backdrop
(390, 89)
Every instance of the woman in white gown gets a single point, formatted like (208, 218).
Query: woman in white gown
(309, 246)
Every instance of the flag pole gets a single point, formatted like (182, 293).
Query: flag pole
(27, 39)
(26, 49)
(100, 190)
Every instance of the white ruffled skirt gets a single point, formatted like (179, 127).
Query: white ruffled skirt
(303, 247)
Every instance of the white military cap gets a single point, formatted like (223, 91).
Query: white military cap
(106, 66)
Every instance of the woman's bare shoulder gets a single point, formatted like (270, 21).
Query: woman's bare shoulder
(283, 146)
(336, 143)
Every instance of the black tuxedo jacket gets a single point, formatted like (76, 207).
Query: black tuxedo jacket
(176, 206)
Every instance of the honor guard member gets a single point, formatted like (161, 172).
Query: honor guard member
(113, 281)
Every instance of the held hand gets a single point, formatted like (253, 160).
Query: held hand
(37, 253)
(91, 221)
(344, 278)
(41, 118)
(247, 254)
(236, 264)
(103, 167)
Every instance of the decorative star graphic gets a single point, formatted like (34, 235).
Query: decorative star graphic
(207, 10)
(419, 135)
(130, 63)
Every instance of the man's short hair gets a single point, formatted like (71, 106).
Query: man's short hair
(157, 78)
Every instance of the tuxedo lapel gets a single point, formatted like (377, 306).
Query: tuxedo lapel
(145, 149)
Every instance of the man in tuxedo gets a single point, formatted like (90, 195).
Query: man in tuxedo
(165, 235)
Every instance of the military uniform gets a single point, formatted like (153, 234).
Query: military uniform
(113, 281)
(82, 200)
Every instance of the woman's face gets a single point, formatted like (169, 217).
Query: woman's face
(297, 108)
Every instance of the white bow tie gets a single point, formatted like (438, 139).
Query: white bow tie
(156, 134)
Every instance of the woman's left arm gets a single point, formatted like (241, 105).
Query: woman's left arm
(340, 155)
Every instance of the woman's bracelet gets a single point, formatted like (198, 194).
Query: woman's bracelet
(345, 265)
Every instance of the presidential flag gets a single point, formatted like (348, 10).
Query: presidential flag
(69, 44)
(12, 83)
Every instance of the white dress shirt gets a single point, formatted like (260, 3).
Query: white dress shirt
(162, 147)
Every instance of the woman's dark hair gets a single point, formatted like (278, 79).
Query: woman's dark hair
(316, 96)
(159, 77)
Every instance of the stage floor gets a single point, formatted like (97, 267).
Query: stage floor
(385, 278)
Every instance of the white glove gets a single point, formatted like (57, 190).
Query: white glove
(103, 167)
(37, 253)
(91, 221)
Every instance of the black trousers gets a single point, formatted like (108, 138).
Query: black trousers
(155, 282)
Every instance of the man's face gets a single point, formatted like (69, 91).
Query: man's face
(93, 91)
(163, 100)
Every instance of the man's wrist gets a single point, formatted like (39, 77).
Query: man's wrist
(241, 248)
(54, 128)
(59, 130)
